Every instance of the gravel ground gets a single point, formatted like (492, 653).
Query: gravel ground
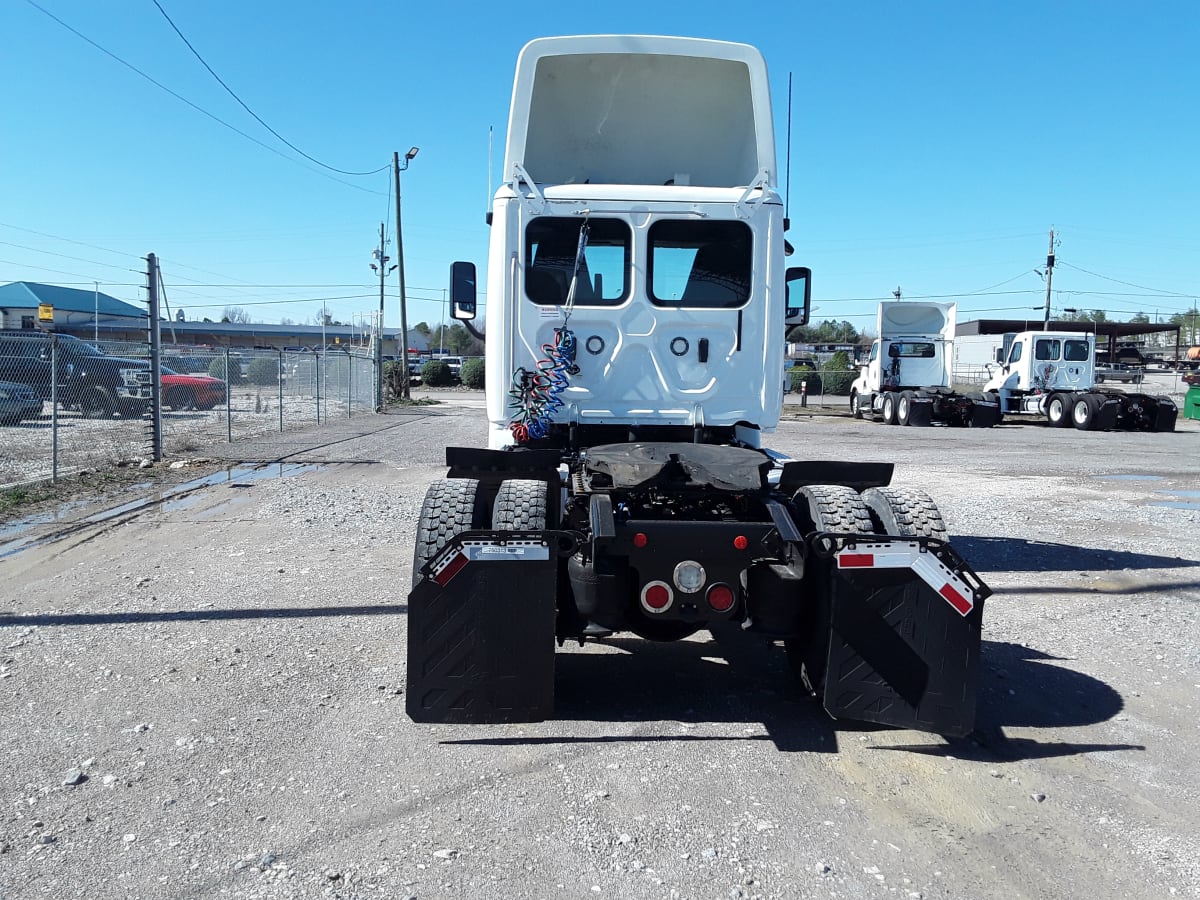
(202, 695)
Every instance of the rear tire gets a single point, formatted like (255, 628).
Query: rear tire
(833, 508)
(904, 407)
(97, 403)
(520, 505)
(1083, 413)
(905, 511)
(1058, 411)
(179, 399)
(451, 506)
(889, 408)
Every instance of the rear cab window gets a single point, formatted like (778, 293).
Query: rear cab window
(1076, 351)
(703, 265)
(553, 259)
(1047, 349)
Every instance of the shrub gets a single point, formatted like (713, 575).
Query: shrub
(394, 378)
(471, 374)
(263, 371)
(436, 373)
(807, 374)
(216, 369)
(838, 374)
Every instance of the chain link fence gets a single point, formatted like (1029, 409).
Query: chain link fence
(68, 405)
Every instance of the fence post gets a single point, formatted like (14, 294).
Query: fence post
(317, 383)
(155, 364)
(54, 407)
(349, 383)
(228, 401)
(279, 382)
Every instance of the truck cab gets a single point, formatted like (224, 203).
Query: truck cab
(637, 274)
(1042, 361)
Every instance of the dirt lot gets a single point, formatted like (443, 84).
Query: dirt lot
(202, 695)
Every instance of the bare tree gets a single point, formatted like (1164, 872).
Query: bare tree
(236, 315)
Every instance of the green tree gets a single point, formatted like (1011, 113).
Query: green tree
(837, 374)
(826, 331)
(436, 373)
(262, 370)
(472, 373)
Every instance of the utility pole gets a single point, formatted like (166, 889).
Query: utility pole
(1049, 277)
(155, 340)
(382, 259)
(397, 169)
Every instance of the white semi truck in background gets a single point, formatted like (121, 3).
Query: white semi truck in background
(1053, 375)
(907, 378)
(638, 297)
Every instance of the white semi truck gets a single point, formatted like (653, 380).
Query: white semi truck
(1052, 374)
(637, 299)
(907, 378)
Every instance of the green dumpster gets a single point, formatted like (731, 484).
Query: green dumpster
(1191, 403)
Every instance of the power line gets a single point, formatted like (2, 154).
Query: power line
(1158, 291)
(65, 256)
(67, 240)
(231, 93)
(183, 99)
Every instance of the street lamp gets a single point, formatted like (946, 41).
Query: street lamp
(397, 169)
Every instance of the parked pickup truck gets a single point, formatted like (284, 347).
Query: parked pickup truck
(1127, 374)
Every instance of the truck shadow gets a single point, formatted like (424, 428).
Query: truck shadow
(1011, 554)
(738, 678)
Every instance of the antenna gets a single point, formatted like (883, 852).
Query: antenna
(787, 190)
(490, 191)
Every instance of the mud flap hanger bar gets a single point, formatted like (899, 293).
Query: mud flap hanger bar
(497, 546)
(930, 559)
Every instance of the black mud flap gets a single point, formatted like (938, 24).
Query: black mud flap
(481, 629)
(905, 635)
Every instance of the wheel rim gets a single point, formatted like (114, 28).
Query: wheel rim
(903, 409)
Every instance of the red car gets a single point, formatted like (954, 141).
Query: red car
(191, 391)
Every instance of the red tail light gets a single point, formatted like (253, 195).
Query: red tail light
(657, 596)
(720, 598)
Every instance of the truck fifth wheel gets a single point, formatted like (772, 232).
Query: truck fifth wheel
(638, 296)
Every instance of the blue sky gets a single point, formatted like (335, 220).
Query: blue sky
(933, 146)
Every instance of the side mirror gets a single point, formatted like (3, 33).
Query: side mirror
(462, 290)
(798, 295)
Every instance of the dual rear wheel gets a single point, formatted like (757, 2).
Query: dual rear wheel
(839, 509)
(455, 505)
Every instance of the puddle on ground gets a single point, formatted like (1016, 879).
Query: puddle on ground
(1180, 500)
(169, 499)
(1129, 477)
(50, 517)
